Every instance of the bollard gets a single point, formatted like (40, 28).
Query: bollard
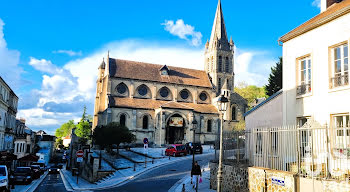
(169, 156)
(145, 161)
(183, 188)
(134, 166)
(152, 161)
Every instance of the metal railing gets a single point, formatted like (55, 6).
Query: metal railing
(303, 89)
(339, 80)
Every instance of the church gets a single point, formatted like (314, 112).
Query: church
(160, 102)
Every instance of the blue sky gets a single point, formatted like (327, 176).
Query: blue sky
(50, 50)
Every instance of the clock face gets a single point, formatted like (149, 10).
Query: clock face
(164, 72)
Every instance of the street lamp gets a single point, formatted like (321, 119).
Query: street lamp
(222, 106)
(194, 127)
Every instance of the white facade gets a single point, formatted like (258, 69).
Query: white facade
(324, 100)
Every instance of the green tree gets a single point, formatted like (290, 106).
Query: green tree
(250, 92)
(83, 129)
(65, 129)
(112, 133)
(275, 79)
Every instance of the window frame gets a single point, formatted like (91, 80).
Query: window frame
(331, 66)
(304, 87)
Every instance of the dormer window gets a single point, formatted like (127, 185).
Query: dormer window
(164, 70)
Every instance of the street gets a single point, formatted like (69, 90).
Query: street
(52, 183)
(162, 178)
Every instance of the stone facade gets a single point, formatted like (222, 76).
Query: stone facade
(235, 177)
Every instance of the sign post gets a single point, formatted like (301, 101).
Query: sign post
(145, 147)
(80, 155)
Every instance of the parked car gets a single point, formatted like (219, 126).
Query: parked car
(60, 166)
(4, 178)
(54, 169)
(176, 150)
(42, 166)
(22, 174)
(36, 171)
(196, 147)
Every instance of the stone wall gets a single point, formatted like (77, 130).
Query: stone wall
(256, 179)
(235, 177)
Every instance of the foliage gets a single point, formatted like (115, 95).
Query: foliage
(59, 143)
(83, 129)
(112, 133)
(275, 79)
(65, 129)
(239, 126)
(250, 92)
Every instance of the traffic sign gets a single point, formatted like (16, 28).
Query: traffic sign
(79, 159)
(80, 153)
(145, 140)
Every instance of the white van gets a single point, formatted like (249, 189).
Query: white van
(4, 178)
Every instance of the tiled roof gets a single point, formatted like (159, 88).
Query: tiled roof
(151, 72)
(155, 104)
(332, 12)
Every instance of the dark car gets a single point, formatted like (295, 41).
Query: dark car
(22, 174)
(36, 171)
(196, 147)
(54, 169)
(60, 166)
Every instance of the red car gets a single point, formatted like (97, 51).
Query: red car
(176, 150)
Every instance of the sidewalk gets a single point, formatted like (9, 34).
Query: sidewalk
(119, 177)
(30, 187)
(202, 187)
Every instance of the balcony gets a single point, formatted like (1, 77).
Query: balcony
(339, 80)
(303, 89)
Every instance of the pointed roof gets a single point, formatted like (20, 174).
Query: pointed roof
(219, 29)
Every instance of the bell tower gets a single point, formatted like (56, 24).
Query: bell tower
(219, 54)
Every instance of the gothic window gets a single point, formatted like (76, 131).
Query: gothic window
(220, 64)
(142, 90)
(184, 94)
(145, 122)
(164, 92)
(219, 85)
(122, 88)
(233, 113)
(209, 125)
(227, 66)
(203, 96)
(122, 119)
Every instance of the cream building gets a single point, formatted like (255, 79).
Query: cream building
(160, 102)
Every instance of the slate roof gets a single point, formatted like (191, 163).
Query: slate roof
(155, 104)
(334, 11)
(151, 72)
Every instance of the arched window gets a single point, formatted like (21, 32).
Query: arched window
(227, 66)
(164, 92)
(142, 90)
(233, 113)
(122, 88)
(145, 122)
(122, 119)
(220, 64)
(209, 126)
(203, 96)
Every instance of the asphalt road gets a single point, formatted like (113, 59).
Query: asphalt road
(161, 179)
(52, 183)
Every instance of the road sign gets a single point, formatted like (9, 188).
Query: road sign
(145, 140)
(80, 153)
(79, 159)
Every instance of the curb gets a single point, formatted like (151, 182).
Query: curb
(178, 183)
(124, 181)
(33, 186)
(66, 184)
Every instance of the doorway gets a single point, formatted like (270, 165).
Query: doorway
(175, 129)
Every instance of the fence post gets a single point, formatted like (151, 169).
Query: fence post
(328, 149)
(298, 148)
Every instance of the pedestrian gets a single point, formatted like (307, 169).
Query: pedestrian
(195, 174)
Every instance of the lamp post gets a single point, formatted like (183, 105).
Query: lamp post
(194, 127)
(222, 106)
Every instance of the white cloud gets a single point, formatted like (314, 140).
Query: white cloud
(44, 65)
(9, 60)
(38, 117)
(69, 52)
(184, 31)
(316, 3)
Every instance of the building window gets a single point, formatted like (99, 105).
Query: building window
(340, 135)
(184, 94)
(145, 122)
(203, 96)
(142, 90)
(28, 148)
(122, 119)
(209, 124)
(340, 67)
(227, 65)
(304, 85)
(212, 63)
(164, 92)
(233, 114)
(219, 85)
(220, 64)
(122, 88)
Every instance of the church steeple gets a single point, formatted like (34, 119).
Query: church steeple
(219, 54)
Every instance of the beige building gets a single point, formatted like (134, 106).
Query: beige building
(160, 102)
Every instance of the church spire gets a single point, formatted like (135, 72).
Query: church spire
(218, 36)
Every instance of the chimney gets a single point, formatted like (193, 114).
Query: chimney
(327, 3)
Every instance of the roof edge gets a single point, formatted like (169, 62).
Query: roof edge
(263, 103)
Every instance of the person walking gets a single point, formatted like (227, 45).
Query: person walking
(195, 174)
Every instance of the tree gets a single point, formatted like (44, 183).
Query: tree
(112, 133)
(250, 92)
(275, 79)
(83, 129)
(65, 129)
(239, 126)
